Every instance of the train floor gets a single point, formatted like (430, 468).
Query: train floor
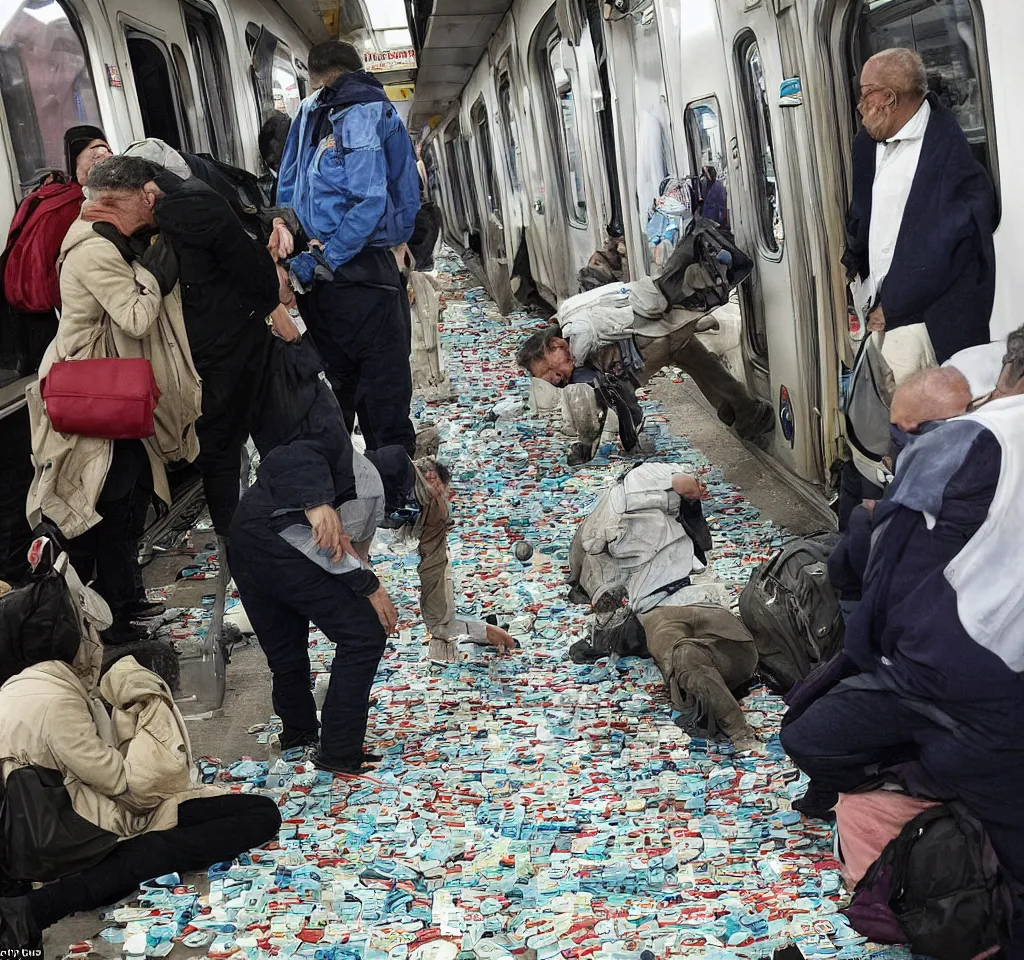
(529, 806)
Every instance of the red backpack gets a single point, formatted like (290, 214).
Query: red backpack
(33, 245)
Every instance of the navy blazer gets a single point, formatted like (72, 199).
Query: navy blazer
(943, 271)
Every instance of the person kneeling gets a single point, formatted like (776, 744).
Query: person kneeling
(129, 778)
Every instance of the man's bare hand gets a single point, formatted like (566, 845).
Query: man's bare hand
(329, 534)
(869, 505)
(876, 320)
(386, 612)
(283, 325)
(686, 486)
(285, 293)
(281, 244)
(501, 639)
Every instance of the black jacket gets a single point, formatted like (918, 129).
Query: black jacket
(229, 282)
(943, 273)
(312, 469)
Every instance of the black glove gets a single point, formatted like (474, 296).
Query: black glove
(161, 261)
(129, 251)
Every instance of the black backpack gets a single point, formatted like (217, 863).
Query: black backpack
(792, 611)
(937, 887)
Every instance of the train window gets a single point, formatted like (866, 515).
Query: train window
(705, 136)
(510, 129)
(206, 40)
(948, 35)
(569, 132)
(45, 83)
(154, 84)
(275, 79)
(467, 172)
(188, 99)
(755, 95)
(452, 163)
(483, 134)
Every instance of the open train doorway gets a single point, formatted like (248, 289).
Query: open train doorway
(154, 85)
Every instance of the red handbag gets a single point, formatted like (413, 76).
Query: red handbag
(111, 399)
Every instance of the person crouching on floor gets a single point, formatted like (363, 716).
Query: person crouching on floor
(128, 776)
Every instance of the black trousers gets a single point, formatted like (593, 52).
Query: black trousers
(210, 830)
(361, 323)
(109, 552)
(16, 472)
(843, 739)
(230, 391)
(282, 591)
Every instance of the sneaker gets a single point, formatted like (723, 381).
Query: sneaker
(761, 423)
(18, 929)
(144, 610)
(122, 633)
(291, 739)
(350, 766)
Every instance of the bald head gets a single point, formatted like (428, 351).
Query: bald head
(937, 394)
(893, 86)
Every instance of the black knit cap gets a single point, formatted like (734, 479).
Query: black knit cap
(334, 55)
(76, 139)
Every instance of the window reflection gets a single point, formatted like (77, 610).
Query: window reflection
(946, 35)
(46, 85)
(769, 206)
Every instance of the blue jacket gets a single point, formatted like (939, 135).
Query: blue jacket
(349, 173)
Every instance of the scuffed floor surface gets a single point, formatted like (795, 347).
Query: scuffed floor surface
(526, 807)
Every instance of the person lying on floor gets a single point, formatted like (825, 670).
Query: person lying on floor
(294, 557)
(128, 776)
(607, 342)
(932, 668)
(641, 541)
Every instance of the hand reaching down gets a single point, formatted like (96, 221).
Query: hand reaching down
(501, 639)
(386, 612)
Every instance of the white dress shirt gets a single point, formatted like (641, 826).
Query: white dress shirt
(896, 163)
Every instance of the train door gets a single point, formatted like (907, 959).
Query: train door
(564, 105)
(781, 335)
(154, 63)
(649, 157)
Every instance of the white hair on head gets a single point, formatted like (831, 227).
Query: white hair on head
(904, 72)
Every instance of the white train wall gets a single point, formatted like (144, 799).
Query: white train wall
(762, 89)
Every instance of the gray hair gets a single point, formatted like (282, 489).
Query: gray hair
(120, 174)
(904, 72)
(534, 349)
(1014, 357)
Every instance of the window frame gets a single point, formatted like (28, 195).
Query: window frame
(466, 159)
(485, 150)
(505, 111)
(22, 187)
(203, 30)
(451, 162)
(857, 55)
(132, 31)
(254, 34)
(578, 217)
(761, 145)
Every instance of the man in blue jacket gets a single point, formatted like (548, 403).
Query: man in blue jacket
(349, 172)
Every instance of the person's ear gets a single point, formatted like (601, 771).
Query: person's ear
(150, 194)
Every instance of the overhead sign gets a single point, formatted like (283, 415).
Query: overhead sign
(388, 60)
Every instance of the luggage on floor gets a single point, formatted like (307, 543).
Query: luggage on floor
(793, 612)
(937, 887)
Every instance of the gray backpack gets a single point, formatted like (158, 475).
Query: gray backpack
(792, 611)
